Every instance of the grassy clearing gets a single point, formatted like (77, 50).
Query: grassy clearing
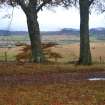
(80, 93)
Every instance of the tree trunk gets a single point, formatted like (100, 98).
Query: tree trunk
(85, 53)
(34, 34)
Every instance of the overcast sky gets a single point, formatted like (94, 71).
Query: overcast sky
(54, 19)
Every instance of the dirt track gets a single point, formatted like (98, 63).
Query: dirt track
(48, 78)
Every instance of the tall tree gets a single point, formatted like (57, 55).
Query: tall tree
(31, 9)
(85, 53)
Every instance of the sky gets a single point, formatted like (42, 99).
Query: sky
(49, 20)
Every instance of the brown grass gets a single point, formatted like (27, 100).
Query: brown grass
(79, 93)
(68, 52)
(31, 68)
(71, 52)
(73, 93)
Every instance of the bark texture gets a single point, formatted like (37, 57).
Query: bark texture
(85, 53)
(34, 34)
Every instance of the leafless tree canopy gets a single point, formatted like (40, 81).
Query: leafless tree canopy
(38, 4)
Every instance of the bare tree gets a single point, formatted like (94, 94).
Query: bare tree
(85, 8)
(31, 9)
(85, 53)
(99, 5)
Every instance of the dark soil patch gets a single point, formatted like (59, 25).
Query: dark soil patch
(48, 78)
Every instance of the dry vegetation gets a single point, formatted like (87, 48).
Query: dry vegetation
(79, 93)
(74, 93)
(11, 53)
(67, 53)
(32, 68)
(71, 52)
(26, 56)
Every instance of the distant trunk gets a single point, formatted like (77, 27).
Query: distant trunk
(34, 34)
(85, 54)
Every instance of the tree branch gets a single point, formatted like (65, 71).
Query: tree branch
(90, 2)
(103, 10)
(43, 4)
(21, 3)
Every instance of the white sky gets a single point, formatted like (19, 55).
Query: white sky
(50, 19)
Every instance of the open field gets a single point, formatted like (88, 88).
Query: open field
(38, 84)
(60, 39)
(68, 47)
(69, 52)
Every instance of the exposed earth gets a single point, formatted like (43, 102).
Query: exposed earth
(49, 78)
(35, 76)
